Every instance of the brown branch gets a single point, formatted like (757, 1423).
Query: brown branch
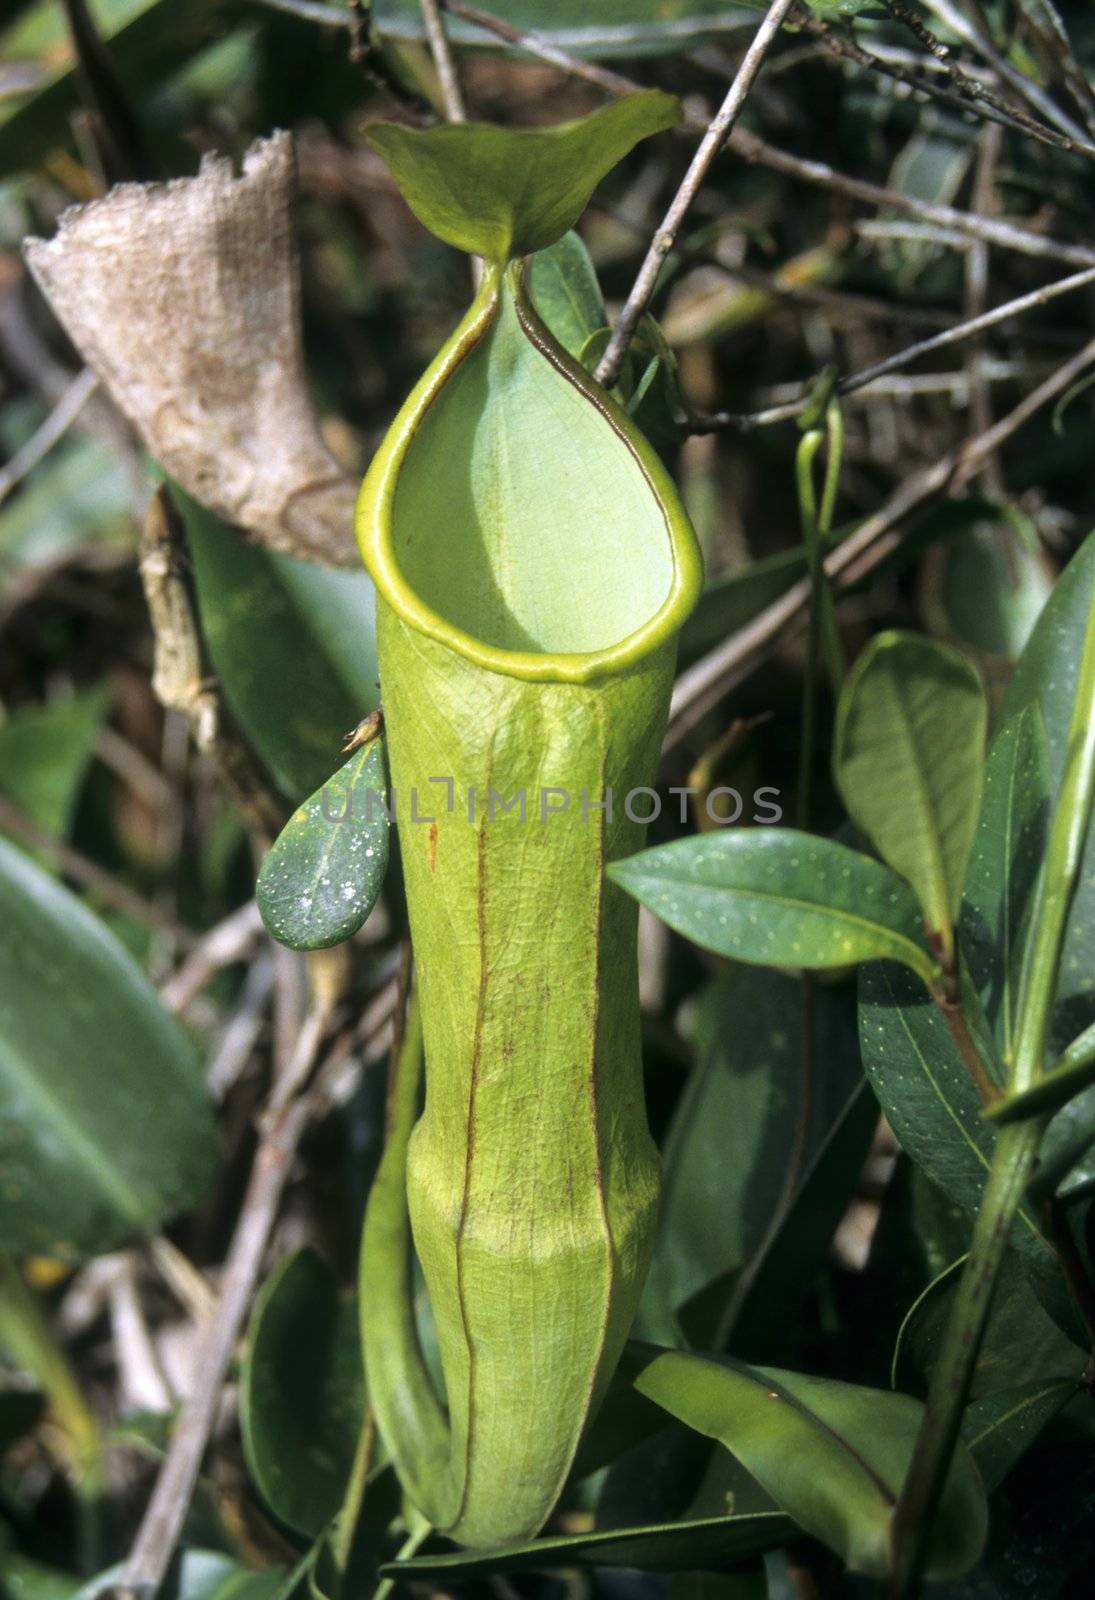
(703, 684)
(937, 341)
(179, 678)
(715, 137)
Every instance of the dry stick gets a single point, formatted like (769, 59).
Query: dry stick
(166, 1512)
(937, 341)
(441, 50)
(179, 678)
(88, 874)
(608, 369)
(703, 684)
(1009, 236)
(1050, 28)
(964, 93)
(52, 430)
(973, 95)
(229, 941)
(971, 32)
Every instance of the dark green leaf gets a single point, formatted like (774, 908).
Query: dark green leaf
(20, 1411)
(293, 646)
(1004, 865)
(1001, 1427)
(565, 292)
(669, 1547)
(326, 869)
(929, 1099)
(1021, 1342)
(24, 1579)
(1046, 675)
(1072, 1074)
(44, 754)
(302, 1394)
(908, 759)
(729, 603)
(504, 192)
(993, 587)
(760, 1312)
(776, 897)
(105, 1130)
(833, 1455)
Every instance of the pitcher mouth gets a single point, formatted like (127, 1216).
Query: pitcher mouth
(650, 587)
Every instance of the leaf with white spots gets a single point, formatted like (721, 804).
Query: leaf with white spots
(325, 871)
(779, 898)
(908, 756)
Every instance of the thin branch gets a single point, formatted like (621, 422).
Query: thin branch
(937, 341)
(79, 869)
(443, 60)
(51, 432)
(714, 139)
(748, 145)
(703, 684)
(230, 941)
(179, 678)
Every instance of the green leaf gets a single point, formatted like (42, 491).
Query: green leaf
(24, 1579)
(776, 897)
(833, 1455)
(926, 1092)
(1004, 865)
(44, 755)
(326, 868)
(564, 289)
(1046, 675)
(293, 646)
(504, 192)
(105, 1129)
(302, 1393)
(1021, 1344)
(993, 586)
(728, 603)
(657, 1547)
(908, 758)
(582, 27)
(761, 1312)
(1000, 1428)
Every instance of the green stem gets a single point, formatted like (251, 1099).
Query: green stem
(28, 1339)
(1012, 1163)
(1016, 1147)
(342, 1538)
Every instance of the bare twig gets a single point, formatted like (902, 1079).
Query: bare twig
(179, 678)
(52, 430)
(714, 139)
(231, 940)
(86, 873)
(702, 685)
(444, 61)
(937, 341)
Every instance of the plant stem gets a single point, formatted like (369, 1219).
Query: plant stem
(1012, 1163)
(1016, 1147)
(664, 239)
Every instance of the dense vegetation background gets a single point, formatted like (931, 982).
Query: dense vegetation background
(900, 169)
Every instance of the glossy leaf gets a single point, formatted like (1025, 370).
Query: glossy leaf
(668, 1547)
(1047, 674)
(908, 760)
(293, 646)
(1004, 865)
(302, 1396)
(564, 289)
(504, 192)
(777, 897)
(833, 1455)
(926, 1092)
(105, 1129)
(44, 754)
(1001, 1427)
(326, 868)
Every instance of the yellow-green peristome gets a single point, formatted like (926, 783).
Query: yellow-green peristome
(533, 565)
